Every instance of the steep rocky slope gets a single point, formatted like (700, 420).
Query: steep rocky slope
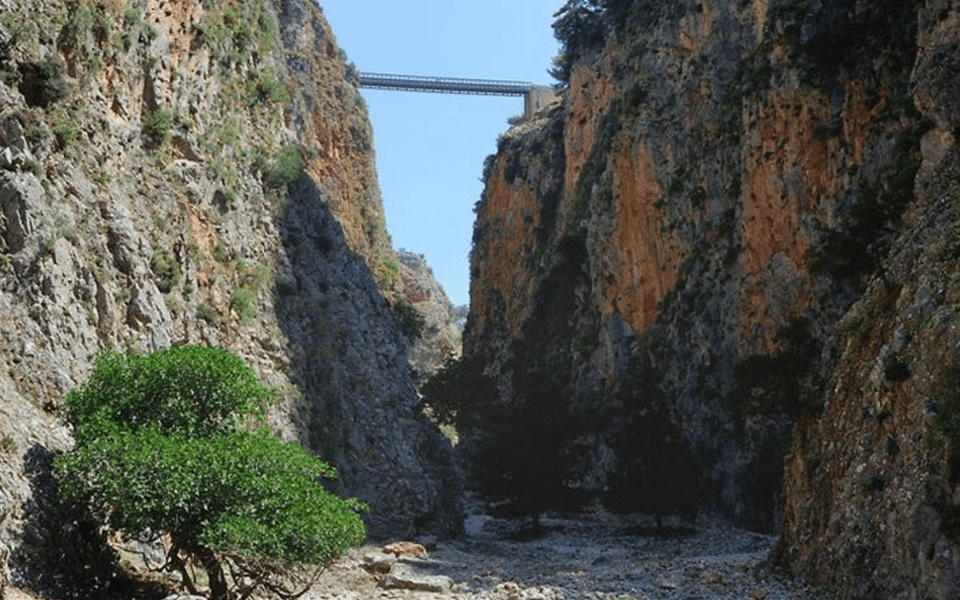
(872, 496)
(437, 338)
(741, 218)
(186, 171)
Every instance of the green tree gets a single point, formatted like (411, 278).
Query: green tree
(514, 452)
(164, 445)
(578, 26)
(411, 321)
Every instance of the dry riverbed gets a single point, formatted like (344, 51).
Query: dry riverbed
(575, 559)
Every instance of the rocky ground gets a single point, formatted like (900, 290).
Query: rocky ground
(575, 559)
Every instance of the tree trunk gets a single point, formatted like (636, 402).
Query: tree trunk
(175, 563)
(218, 579)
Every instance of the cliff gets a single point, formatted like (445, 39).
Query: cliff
(871, 480)
(731, 248)
(181, 171)
(436, 333)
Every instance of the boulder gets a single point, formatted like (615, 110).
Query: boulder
(406, 549)
(439, 584)
(379, 563)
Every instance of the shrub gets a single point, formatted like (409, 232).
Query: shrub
(131, 17)
(165, 268)
(457, 392)
(284, 168)
(51, 78)
(43, 83)
(896, 369)
(77, 29)
(244, 301)
(221, 253)
(946, 422)
(578, 27)
(162, 449)
(411, 321)
(207, 313)
(271, 90)
(131, 23)
(157, 125)
(65, 132)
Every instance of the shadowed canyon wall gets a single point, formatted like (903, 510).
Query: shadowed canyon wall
(728, 250)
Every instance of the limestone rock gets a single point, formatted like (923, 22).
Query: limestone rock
(713, 578)
(440, 340)
(669, 582)
(14, 151)
(439, 584)
(735, 243)
(406, 549)
(21, 195)
(667, 256)
(379, 563)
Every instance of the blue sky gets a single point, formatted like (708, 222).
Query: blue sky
(430, 147)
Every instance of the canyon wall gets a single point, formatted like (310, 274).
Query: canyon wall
(433, 318)
(871, 481)
(730, 249)
(185, 171)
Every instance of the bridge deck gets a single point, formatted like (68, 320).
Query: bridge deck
(449, 85)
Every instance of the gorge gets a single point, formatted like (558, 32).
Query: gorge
(718, 280)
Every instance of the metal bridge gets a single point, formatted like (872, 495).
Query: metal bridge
(446, 85)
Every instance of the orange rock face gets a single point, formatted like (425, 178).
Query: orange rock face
(666, 250)
(644, 259)
(788, 168)
(796, 165)
(511, 215)
(590, 97)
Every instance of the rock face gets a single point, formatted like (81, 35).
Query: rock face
(872, 481)
(439, 340)
(741, 219)
(180, 171)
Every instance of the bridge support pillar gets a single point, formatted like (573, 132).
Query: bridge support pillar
(537, 98)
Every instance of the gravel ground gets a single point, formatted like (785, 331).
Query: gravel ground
(578, 559)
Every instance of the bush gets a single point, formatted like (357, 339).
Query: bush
(457, 393)
(65, 132)
(271, 90)
(244, 301)
(411, 321)
(946, 422)
(161, 448)
(165, 269)
(43, 83)
(157, 125)
(207, 313)
(285, 168)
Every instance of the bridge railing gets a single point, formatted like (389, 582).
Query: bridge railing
(449, 85)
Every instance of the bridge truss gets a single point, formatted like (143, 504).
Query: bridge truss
(447, 85)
